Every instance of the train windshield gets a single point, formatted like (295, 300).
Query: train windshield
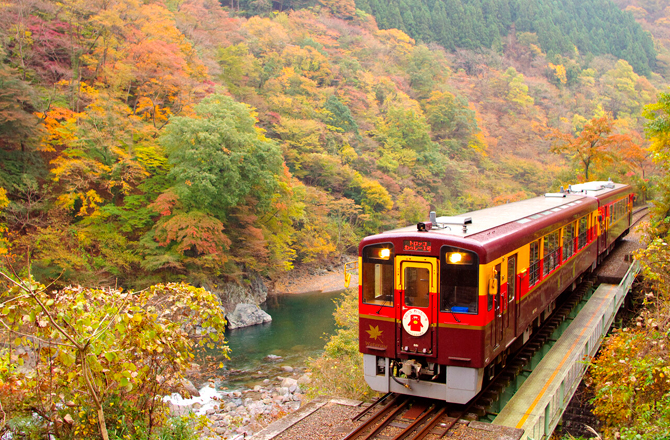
(459, 280)
(377, 274)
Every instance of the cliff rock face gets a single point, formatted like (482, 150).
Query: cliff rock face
(240, 301)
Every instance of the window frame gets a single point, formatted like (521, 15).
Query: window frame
(365, 260)
(473, 268)
(534, 263)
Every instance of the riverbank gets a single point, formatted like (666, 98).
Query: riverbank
(315, 280)
(246, 398)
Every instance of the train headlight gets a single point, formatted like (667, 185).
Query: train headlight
(385, 253)
(459, 258)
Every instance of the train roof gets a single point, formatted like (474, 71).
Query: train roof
(500, 229)
(595, 189)
(523, 212)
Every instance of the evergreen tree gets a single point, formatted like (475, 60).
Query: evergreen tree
(592, 26)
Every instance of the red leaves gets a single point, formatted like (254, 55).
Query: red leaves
(165, 203)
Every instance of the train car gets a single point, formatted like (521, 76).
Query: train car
(443, 303)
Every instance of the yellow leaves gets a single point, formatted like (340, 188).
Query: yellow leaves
(151, 111)
(559, 73)
(4, 245)
(89, 203)
(308, 62)
(269, 35)
(3, 198)
(375, 197)
(397, 39)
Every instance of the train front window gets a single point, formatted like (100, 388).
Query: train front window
(459, 280)
(417, 287)
(378, 274)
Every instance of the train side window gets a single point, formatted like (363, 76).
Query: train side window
(378, 274)
(610, 210)
(550, 253)
(534, 265)
(583, 230)
(459, 280)
(569, 241)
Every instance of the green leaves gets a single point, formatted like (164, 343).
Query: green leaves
(219, 157)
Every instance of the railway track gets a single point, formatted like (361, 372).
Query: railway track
(399, 417)
(640, 213)
(405, 417)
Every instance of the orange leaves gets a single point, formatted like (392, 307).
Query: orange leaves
(594, 145)
(195, 233)
(340, 8)
(60, 124)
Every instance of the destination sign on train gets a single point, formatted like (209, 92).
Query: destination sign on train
(416, 245)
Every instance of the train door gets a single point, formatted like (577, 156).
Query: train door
(417, 283)
(498, 309)
(511, 297)
(603, 221)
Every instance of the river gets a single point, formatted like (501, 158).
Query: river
(299, 330)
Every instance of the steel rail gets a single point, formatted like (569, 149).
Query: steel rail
(397, 400)
(360, 415)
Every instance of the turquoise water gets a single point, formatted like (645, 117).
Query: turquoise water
(299, 329)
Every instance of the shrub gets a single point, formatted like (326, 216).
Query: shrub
(99, 360)
(339, 370)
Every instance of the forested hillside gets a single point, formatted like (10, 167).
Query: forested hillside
(565, 27)
(597, 27)
(150, 141)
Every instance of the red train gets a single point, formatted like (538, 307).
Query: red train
(442, 304)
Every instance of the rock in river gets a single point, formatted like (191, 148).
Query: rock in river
(246, 315)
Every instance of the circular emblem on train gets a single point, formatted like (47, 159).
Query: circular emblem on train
(415, 322)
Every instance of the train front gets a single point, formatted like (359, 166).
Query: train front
(422, 329)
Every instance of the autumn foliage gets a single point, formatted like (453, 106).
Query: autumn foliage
(146, 141)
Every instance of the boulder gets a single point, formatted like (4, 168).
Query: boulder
(246, 315)
(305, 379)
(187, 386)
(288, 382)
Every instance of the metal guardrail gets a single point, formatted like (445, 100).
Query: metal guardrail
(543, 425)
(349, 268)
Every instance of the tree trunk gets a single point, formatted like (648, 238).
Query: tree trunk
(103, 425)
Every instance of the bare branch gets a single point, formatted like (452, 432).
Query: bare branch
(4, 324)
